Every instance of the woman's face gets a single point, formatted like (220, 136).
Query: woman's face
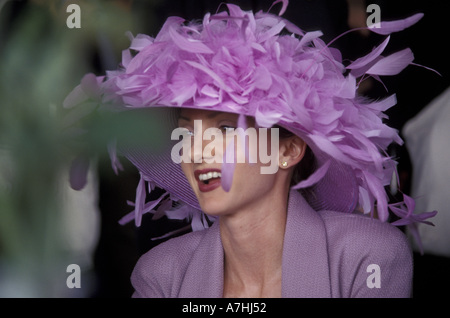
(203, 172)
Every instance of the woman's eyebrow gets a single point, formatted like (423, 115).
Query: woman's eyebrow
(184, 118)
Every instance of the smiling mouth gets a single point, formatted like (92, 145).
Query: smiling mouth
(209, 176)
(208, 179)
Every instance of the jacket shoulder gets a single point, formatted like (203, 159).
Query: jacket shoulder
(358, 246)
(351, 228)
(160, 271)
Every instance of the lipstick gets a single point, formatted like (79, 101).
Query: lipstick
(208, 179)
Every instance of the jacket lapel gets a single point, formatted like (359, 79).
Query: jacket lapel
(305, 271)
(204, 275)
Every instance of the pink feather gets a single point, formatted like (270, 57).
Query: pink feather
(388, 27)
(314, 178)
(228, 165)
(189, 45)
(283, 6)
(392, 64)
(363, 61)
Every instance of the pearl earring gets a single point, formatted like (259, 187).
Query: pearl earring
(284, 164)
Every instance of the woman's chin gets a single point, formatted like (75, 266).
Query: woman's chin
(213, 205)
(212, 209)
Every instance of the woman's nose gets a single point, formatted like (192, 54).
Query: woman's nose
(205, 145)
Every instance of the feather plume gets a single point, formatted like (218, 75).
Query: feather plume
(388, 27)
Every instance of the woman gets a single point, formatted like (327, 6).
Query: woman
(287, 233)
(267, 241)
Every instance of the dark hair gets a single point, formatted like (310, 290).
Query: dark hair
(306, 166)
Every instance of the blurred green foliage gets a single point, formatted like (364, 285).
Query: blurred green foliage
(42, 60)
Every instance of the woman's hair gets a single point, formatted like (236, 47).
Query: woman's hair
(306, 166)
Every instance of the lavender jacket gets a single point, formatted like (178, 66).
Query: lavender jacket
(325, 254)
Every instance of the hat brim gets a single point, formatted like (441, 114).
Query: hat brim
(337, 190)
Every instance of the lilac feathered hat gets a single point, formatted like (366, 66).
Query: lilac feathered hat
(261, 65)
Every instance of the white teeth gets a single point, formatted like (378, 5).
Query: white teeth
(209, 175)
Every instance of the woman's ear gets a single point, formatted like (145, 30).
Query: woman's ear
(292, 150)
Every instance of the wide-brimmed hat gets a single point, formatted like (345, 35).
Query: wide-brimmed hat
(263, 66)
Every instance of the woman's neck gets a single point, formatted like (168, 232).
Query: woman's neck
(252, 239)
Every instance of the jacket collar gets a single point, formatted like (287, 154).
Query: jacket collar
(204, 276)
(305, 269)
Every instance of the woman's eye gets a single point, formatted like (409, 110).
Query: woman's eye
(189, 133)
(226, 129)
